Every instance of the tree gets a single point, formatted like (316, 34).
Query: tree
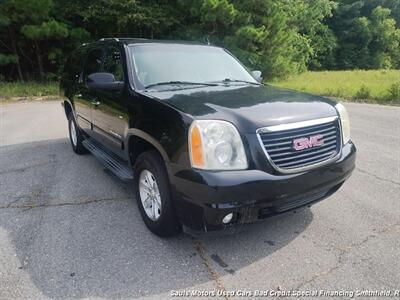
(385, 43)
(13, 15)
(269, 35)
(266, 40)
(105, 18)
(44, 33)
(279, 37)
(308, 17)
(367, 37)
(32, 39)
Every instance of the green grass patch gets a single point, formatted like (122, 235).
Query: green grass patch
(381, 86)
(27, 90)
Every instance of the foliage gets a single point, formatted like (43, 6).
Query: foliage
(8, 59)
(363, 93)
(380, 86)
(279, 37)
(394, 92)
(27, 89)
(368, 37)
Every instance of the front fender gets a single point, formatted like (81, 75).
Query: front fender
(148, 138)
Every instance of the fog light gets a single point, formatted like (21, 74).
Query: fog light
(227, 218)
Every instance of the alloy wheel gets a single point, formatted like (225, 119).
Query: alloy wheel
(74, 137)
(150, 195)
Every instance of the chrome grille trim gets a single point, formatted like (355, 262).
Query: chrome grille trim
(331, 130)
(285, 161)
(296, 125)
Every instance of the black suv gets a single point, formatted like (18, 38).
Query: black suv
(206, 144)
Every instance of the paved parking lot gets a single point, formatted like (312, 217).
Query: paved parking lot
(68, 229)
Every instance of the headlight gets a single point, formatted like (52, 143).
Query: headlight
(345, 122)
(216, 145)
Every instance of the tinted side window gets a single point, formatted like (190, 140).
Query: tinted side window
(73, 66)
(93, 62)
(113, 63)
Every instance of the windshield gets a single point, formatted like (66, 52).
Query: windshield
(196, 64)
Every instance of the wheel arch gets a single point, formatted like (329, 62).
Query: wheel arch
(139, 141)
(68, 108)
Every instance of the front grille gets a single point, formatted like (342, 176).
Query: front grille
(279, 144)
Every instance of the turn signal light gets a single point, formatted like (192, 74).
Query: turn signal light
(196, 148)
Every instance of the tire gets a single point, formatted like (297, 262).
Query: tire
(158, 213)
(75, 136)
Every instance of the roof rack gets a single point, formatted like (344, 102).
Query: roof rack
(108, 39)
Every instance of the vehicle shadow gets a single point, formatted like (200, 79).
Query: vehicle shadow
(76, 232)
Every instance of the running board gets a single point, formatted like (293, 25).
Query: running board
(115, 164)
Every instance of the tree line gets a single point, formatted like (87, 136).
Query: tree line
(279, 37)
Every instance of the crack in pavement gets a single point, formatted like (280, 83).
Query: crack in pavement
(198, 245)
(344, 251)
(36, 205)
(377, 177)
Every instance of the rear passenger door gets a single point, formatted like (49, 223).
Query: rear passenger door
(109, 115)
(85, 98)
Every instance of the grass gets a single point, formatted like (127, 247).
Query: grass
(381, 86)
(27, 90)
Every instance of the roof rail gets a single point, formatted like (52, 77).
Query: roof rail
(108, 39)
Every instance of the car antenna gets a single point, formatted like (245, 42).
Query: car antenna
(207, 40)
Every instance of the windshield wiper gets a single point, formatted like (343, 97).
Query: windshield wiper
(180, 82)
(228, 80)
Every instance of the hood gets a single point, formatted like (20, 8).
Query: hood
(248, 107)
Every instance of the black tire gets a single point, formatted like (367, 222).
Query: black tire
(167, 223)
(78, 146)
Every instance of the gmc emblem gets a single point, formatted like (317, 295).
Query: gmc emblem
(305, 143)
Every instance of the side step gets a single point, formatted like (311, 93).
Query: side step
(115, 164)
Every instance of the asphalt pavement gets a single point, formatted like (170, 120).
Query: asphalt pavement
(69, 229)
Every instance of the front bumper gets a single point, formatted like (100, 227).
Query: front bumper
(203, 198)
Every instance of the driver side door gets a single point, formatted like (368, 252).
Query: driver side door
(109, 116)
(85, 98)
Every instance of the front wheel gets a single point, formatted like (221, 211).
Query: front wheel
(153, 196)
(75, 136)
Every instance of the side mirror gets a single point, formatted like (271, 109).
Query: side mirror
(257, 75)
(104, 81)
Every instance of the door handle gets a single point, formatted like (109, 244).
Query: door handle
(96, 103)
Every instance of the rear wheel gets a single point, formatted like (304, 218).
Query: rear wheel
(75, 136)
(153, 195)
